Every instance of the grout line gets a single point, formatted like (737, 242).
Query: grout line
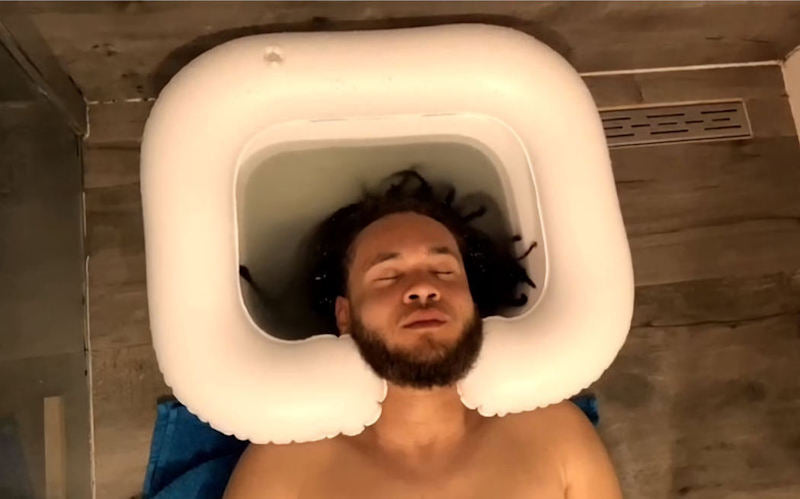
(83, 229)
(115, 101)
(698, 67)
(720, 322)
(89, 382)
(88, 131)
(87, 344)
(664, 69)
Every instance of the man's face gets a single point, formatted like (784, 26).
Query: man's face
(409, 308)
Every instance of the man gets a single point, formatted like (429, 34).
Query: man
(407, 302)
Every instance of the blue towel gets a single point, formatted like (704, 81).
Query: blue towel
(188, 458)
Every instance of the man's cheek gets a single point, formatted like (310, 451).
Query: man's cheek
(371, 316)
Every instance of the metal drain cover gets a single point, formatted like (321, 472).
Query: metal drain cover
(681, 123)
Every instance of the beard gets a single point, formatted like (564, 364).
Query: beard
(431, 365)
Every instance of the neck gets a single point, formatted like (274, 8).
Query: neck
(420, 424)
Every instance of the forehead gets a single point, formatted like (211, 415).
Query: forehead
(399, 232)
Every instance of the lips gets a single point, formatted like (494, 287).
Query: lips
(424, 324)
(426, 318)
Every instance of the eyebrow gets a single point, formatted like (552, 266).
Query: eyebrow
(433, 250)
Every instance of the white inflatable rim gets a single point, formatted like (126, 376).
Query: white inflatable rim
(494, 87)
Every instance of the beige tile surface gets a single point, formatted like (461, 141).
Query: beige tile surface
(705, 410)
(128, 50)
(701, 387)
(127, 386)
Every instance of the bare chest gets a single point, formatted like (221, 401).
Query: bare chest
(500, 468)
(467, 486)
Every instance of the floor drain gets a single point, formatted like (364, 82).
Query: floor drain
(681, 123)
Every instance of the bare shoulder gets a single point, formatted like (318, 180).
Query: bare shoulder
(563, 434)
(272, 470)
(561, 422)
(586, 467)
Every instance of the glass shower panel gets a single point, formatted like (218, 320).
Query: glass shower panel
(44, 394)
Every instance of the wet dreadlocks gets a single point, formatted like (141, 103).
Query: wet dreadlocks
(492, 271)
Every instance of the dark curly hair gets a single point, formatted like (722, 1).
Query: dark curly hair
(493, 273)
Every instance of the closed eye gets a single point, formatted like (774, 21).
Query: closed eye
(389, 278)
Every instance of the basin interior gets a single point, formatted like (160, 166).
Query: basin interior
(283, 193)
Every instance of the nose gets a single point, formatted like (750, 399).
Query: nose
(421, 292)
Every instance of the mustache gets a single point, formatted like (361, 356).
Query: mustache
(413, 309)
